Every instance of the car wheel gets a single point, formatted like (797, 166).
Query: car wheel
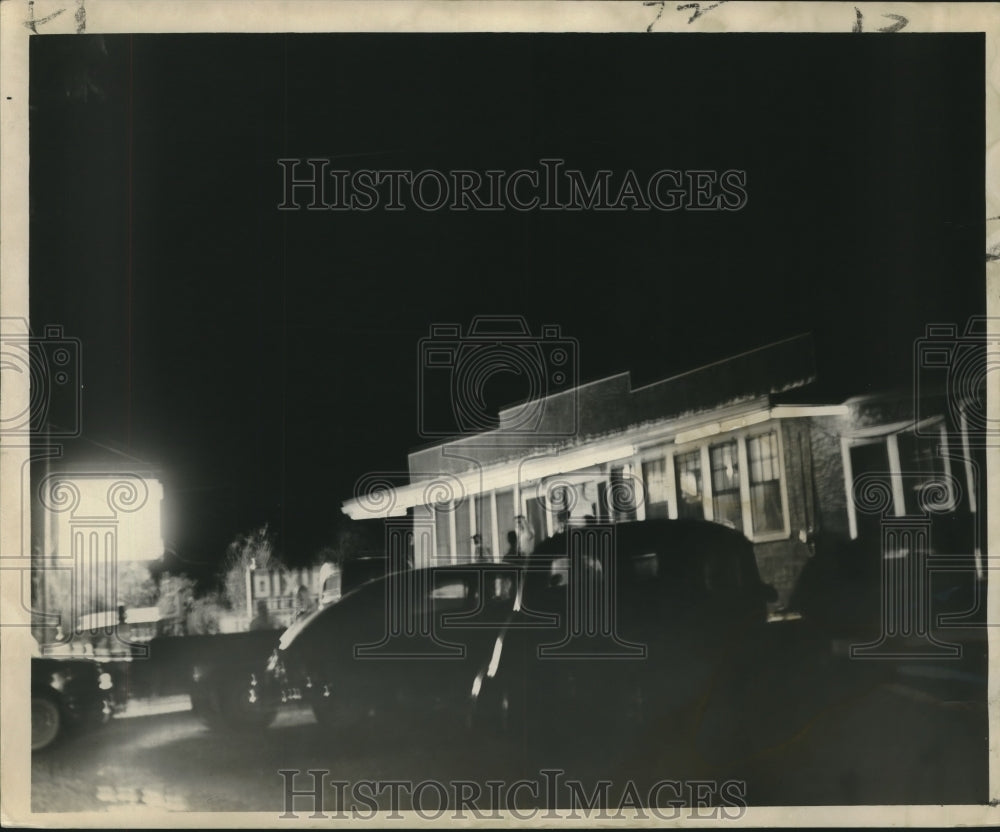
(242, 709)
(232, 708)
(46, 722)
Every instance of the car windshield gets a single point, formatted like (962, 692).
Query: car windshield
(449, 590)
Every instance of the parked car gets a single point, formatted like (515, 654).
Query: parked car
(644, 623)
(68, 694)
(228, 672)
(453, 645)
(405, 643)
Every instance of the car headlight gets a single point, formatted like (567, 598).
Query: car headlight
(104, 681)
(273, 661)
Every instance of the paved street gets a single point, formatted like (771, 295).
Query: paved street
(824, 730)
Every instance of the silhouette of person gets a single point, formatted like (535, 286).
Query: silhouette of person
(562, 521)
(262, 620)
(303, 603)
(511, 553)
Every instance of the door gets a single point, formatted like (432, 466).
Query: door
(870, 467)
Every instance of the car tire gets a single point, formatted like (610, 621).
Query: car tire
(240, 712)
(230, 709)
(46, 721)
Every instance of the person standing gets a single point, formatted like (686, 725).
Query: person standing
(562, 522)
(511, 554)
(262, 620)
(303, 602)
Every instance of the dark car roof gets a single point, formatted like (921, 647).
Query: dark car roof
(359, 570)
(681, 541)
(684, 535)
(682, 546)
(291, 633)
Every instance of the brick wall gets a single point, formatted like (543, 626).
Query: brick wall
(828, 476)
(781, 561)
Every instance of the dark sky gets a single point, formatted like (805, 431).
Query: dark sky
(264, 360)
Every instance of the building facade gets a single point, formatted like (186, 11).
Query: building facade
(735, 443)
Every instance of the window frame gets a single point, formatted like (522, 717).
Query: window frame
(778, 459)
(741, 467)
(942, 474)
(707, 507)
(668, 451)
(669, 488)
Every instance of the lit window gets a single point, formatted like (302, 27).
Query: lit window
(654, 475)
(765, 483)
(689, 485)
(726, 504)
(453, 591)
(622, 495)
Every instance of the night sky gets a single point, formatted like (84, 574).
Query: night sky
(265, 360)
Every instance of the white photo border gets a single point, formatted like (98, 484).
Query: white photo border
(22, 19)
